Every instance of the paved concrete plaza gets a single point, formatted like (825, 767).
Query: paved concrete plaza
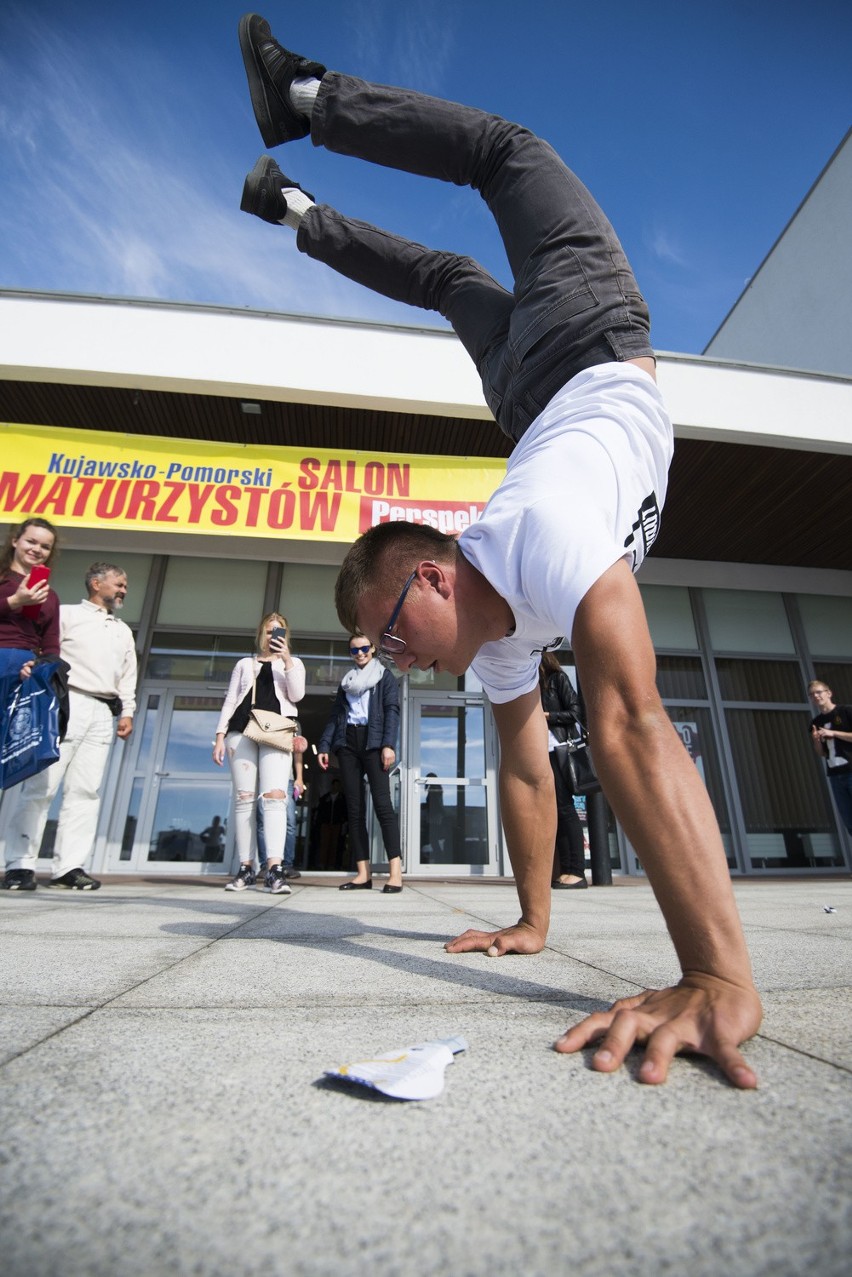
(163, 1045)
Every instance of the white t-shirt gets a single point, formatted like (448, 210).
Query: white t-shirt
(583, 488)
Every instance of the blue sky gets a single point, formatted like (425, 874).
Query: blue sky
(126, 132)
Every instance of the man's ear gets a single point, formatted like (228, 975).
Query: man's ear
(437, 576)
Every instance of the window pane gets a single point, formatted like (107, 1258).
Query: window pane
(695, 728)
(783, 795)
(740, 621)
(669, 616)
(452, 741)
(191, 734)
(146, 732)
(838, 677)
(680, 677)
(203, 658)
(325, 661)
(132, 819)
(307, 598)
(828, 624)
(457, 829)
(760, 680)
(213, 592)
(191, 821)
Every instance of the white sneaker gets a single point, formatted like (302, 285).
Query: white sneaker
(276, 882)
(245, 878)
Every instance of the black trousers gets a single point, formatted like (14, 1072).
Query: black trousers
(575, 302)
(570, 851)
(356, 762)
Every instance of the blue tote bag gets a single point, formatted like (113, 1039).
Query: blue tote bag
(29, 729)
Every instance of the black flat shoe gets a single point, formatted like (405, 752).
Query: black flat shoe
(569, 886)
(388, 890)
(356, 886)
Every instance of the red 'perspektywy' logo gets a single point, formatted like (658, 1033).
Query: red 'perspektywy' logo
(451, 517)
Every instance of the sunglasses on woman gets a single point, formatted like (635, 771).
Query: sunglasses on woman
(360, 651)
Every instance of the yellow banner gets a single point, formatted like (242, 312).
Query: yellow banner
(89, 479)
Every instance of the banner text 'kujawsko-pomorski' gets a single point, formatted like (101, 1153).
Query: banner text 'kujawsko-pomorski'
(89, 479)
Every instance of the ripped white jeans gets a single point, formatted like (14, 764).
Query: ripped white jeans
(258, 769)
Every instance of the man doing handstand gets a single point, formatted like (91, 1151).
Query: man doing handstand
(569, 373)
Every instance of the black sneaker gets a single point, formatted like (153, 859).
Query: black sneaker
(290, 871)
(245, 878)
(262, 194)
(271, 69)
(276, 882)
(75, 880)
(19, 880)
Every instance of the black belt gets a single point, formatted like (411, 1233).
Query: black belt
(114, 702)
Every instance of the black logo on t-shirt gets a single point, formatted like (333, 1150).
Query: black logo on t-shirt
(647, 525)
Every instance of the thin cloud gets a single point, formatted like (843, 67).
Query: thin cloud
(415, 42)
(665, 248)
(110, 214)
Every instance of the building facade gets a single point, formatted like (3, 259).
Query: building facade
(227, 459)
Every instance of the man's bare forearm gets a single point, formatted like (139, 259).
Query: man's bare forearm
(529, 823)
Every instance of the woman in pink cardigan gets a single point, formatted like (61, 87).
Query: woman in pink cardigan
(274, 680)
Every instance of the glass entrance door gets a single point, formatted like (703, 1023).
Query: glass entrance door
(451, 816)
(172, 812)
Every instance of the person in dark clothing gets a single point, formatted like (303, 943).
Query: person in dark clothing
(362, 731)
(331, 817)
(831, 734)
(562, 712)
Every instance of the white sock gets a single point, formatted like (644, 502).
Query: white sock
(303, 94)
(298, 204)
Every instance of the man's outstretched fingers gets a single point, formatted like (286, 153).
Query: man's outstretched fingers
(594, 1026)
(734, 1066)
(624, 1031)
(521, 938)
(471, 941)
(663, 1045)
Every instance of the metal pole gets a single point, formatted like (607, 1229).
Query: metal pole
(597, 816)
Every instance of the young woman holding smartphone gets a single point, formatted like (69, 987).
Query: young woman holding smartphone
(273, 680)
(29, 608)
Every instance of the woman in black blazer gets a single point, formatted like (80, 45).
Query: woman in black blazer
(362, 731)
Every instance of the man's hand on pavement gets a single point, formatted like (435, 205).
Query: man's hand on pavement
(521, 938)
(702, 1013)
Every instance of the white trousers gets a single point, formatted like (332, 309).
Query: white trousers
(258, 769)
(81, 765)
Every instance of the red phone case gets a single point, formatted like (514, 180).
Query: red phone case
(38, 573)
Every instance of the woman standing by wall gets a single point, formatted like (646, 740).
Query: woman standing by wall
(362, 731)
(272, 680)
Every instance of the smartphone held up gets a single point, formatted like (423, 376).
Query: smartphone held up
(37, 575)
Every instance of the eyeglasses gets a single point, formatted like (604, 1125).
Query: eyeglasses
(359, 651)
(389, 643)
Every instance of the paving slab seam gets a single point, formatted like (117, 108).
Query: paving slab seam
(807, 1055)
(54, 1033)
(102, 1006)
